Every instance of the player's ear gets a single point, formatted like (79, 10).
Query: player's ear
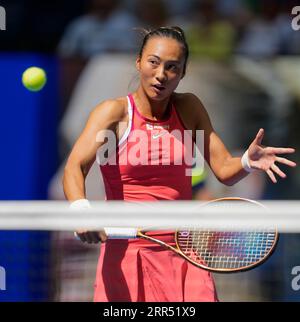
(138, 63)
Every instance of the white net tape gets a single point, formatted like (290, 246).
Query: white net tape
(57, 216)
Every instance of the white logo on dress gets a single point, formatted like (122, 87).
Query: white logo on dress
(156, 136)
(150, 126)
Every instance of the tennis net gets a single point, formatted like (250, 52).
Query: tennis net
(40, 260)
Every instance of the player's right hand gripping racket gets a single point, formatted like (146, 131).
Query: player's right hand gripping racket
(226, 252)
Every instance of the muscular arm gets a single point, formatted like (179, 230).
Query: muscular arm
(226, 168)
(105, 116)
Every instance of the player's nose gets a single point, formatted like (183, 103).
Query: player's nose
(161, 75)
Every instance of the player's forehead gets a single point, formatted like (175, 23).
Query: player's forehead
(165, 48)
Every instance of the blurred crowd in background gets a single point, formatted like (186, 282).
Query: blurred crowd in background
(215, 29)
(244, 66)
(89, 27)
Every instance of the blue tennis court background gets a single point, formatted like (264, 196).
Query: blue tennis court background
(28, 160)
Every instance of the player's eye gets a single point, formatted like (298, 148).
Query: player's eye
(172, 67)
(153, 62)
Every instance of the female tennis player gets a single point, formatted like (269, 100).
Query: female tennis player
(139, 270)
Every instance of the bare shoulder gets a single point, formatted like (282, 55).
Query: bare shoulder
(112, 110)
(190, 108)
(116, 108)
(187, 101)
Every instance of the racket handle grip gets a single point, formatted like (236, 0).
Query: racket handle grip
(121, 233)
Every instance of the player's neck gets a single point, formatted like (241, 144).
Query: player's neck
(151, 109)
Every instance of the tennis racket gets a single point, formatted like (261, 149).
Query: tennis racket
(216, 251)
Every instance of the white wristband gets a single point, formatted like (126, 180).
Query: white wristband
(80, 204)
(245, 162)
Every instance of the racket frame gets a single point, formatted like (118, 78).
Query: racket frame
(177, 250)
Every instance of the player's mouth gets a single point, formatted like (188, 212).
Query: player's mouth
(158, 88)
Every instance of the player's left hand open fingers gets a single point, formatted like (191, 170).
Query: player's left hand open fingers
(275, 150)
(278, 171)
(286, 161)
(271, 176)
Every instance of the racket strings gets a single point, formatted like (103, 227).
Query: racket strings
(226, 250)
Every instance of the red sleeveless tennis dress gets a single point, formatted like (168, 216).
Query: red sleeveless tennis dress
(139, 270)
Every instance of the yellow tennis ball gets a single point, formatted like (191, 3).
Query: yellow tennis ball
(34, 79)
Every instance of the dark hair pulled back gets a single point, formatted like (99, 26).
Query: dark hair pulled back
(173, 32)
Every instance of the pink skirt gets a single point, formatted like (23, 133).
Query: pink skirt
(143, 271)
